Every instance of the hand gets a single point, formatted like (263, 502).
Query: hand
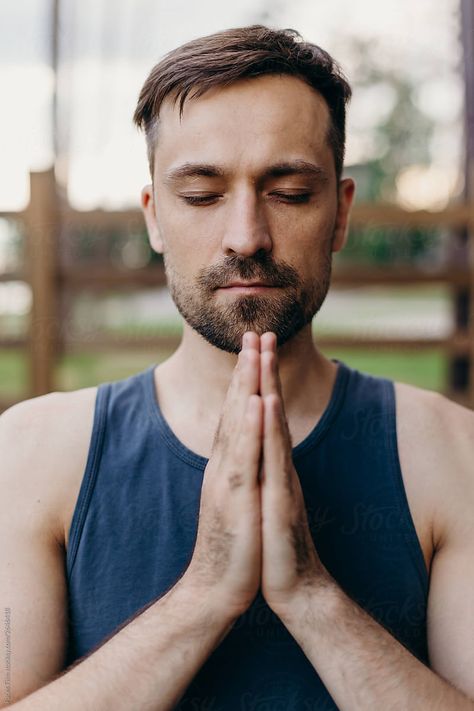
(289, 558)
(226, 560)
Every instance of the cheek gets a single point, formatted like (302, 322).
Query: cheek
(184, 257)
(303, 239)
(307, 222)
(189, 232)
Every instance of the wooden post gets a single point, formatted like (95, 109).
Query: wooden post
(467, 29)
(461, 367)
(41, 261)
(470, 392)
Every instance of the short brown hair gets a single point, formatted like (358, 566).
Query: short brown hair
(225, 57)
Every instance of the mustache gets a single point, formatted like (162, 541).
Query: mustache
(260, 267)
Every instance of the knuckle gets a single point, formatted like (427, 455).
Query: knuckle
(222, 440)
(235, 480)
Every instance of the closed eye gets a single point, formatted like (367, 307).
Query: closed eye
(199, 199)
(289, 198)
(292, 198)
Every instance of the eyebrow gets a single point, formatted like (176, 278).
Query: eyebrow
(278, 170)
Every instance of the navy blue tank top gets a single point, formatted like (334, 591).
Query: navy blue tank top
(135, 522)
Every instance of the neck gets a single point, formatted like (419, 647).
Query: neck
(201, 374)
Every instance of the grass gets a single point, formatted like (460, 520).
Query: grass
(427, 369)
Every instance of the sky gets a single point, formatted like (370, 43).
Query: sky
(108, 47)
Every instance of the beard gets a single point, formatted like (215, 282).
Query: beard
(223, 321)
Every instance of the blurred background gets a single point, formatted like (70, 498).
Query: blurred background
(83, 298)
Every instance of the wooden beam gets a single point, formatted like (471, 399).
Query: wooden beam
(103, 219)
(352, 275)
(19, 216)
(9, 343)
(455, 344)
(106, 342)
(458, 343)
(105, 277)
(363, 214)
(13, 276)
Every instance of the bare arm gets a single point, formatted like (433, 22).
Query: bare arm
(147, 664)
(361, 664)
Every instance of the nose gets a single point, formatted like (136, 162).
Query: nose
(246, 231)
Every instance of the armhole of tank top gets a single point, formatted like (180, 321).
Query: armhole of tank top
(90, 474)
(399, 485)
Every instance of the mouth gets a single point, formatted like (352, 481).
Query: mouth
(247, 288)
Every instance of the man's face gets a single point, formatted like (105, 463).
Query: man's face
(245, 191)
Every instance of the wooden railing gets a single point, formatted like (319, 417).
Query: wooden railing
(45, 218)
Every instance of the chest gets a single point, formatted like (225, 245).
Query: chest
(140, 531)
(407, 453)
(199, 440)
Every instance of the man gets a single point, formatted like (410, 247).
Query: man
(249, 525)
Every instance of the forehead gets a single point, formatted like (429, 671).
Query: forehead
(248, 124)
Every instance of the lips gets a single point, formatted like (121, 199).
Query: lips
(246, 284)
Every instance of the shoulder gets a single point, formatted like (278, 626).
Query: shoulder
(436, 442)
(44, 443)
(436, 419)
(433, 414)
(55, 421)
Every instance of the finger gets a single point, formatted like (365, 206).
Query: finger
(268, 341)
(244, 382)
(267, 346)
(269, 376)
(245, 378)
(249, 378)
(250, 339)
(250, 447)
(276, 443)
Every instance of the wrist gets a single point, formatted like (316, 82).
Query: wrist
(215, 604)
(310, 602)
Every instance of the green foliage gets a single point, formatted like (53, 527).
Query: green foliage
(402, 136)
(379, 245)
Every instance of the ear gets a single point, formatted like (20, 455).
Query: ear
(148, 209)
(346, 193)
